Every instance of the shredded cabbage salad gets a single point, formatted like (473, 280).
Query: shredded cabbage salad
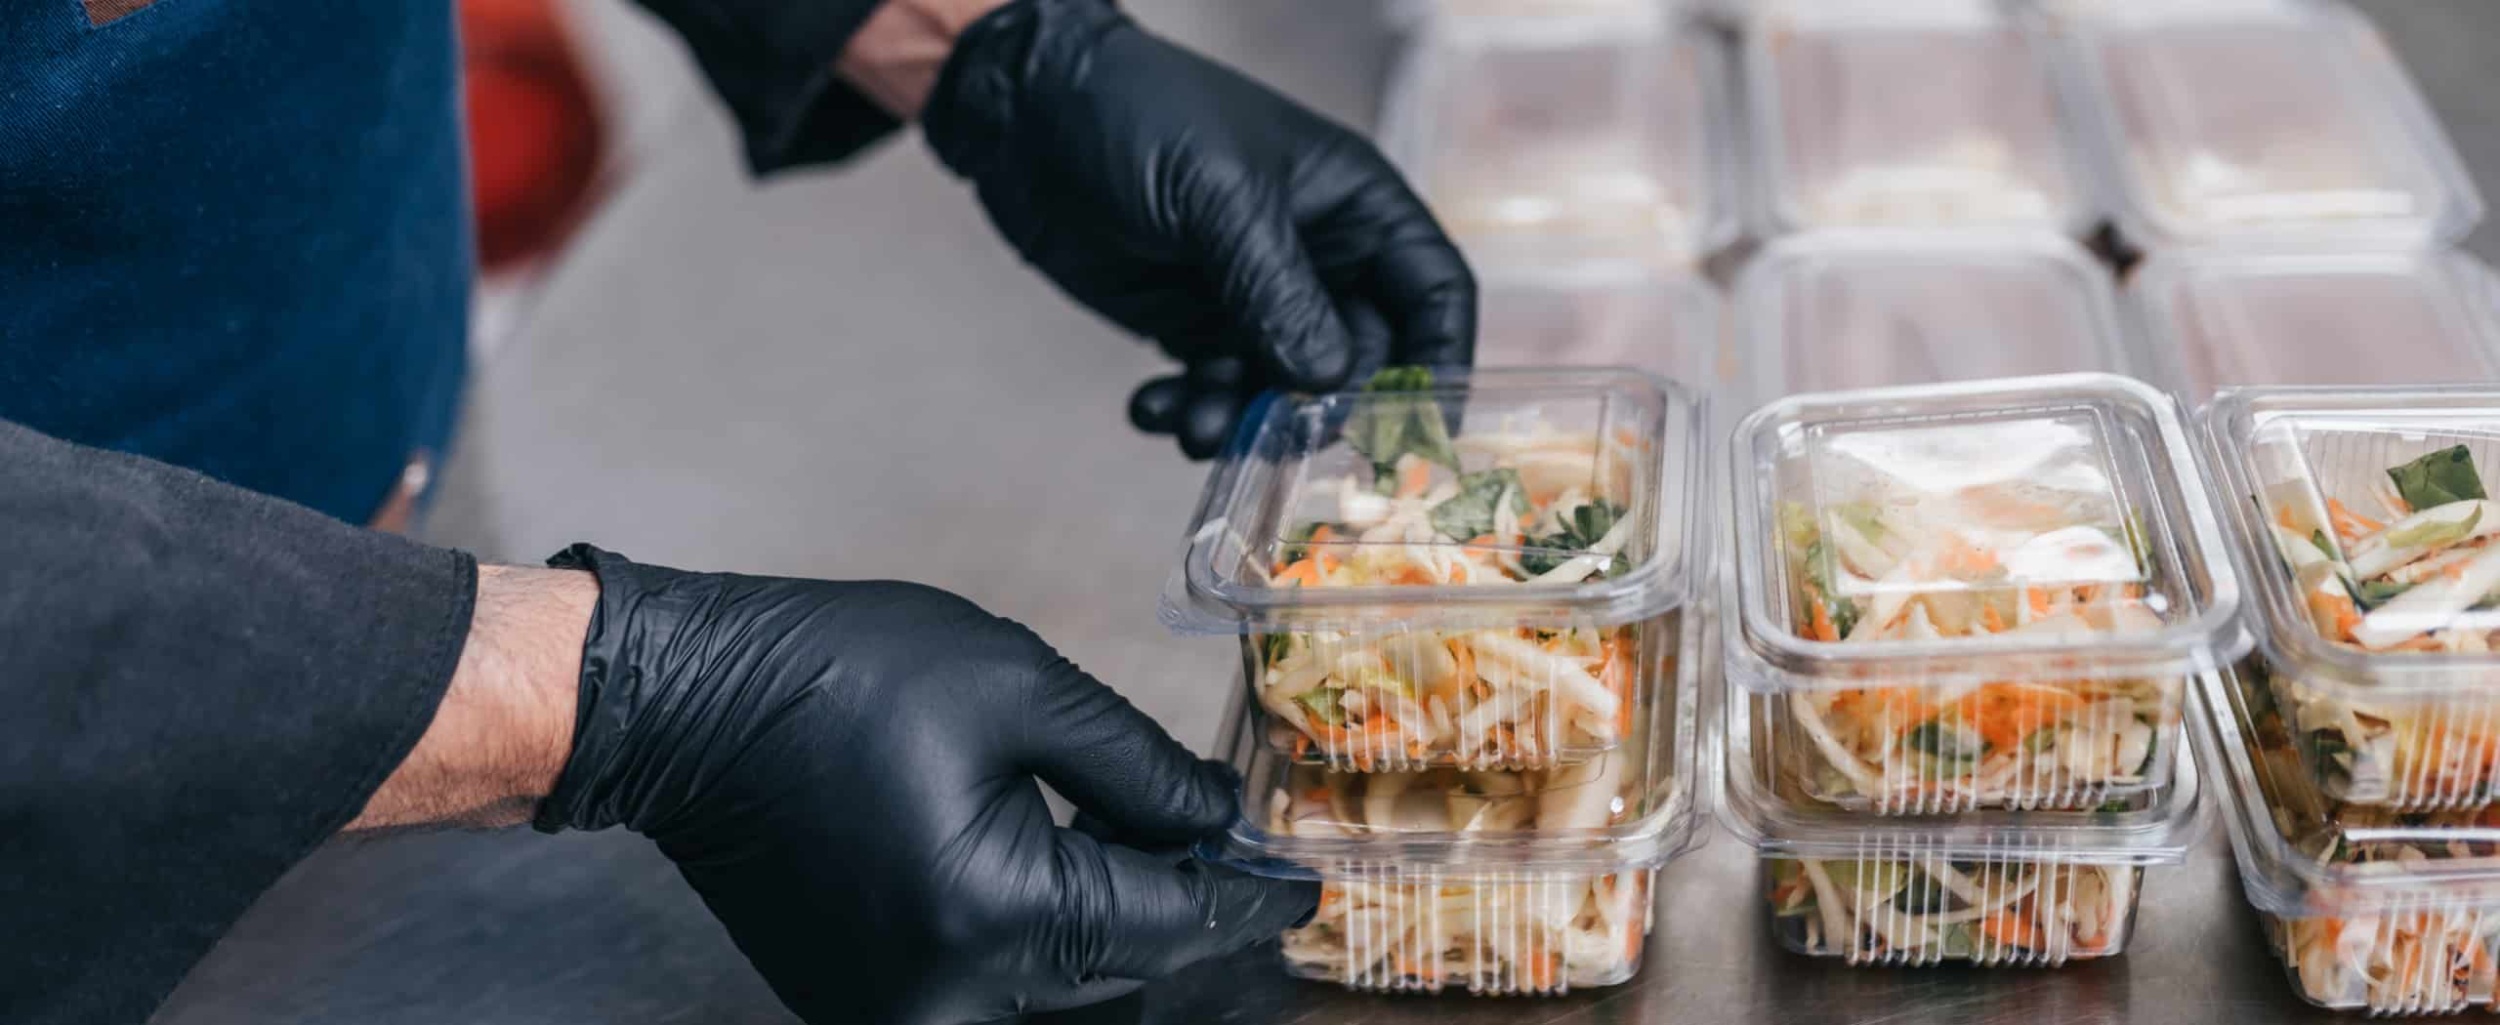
(2438, 956)
(2406, 564)
(1982, 560)
(1503, 508)
(1540, 933)
(1537, 936)
(1921, 911)
(2428, 959)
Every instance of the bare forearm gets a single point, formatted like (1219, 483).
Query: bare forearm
(500, 737)
(897, 54)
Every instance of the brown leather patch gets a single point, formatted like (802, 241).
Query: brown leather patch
(105, 12)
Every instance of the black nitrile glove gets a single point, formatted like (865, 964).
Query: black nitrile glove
(1260, 243)
(845, 772)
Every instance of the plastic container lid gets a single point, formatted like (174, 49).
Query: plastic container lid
(2044, 528)
(1630, 808)
(2301, 856)
(1824, 314)
(2400, 571)
(1765, 807)
(1557, 140)
(2257, 119)
(1605, 469)
(1663, 322)
(1917, 115)
(2225, 318)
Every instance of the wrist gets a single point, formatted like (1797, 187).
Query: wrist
(504, 730)
(895, 57)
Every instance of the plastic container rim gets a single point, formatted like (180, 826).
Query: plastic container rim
(2287, 638)
(1771, 273)
(2281, 881)
(2156, 291)
(2211, 637)
(2459, 204)
(2160, 834)
(1669, 829)
(1679, 554)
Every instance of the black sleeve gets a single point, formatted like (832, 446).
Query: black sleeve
(198, 685)
(772, 62)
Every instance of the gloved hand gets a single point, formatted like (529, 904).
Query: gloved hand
(845, 772)
(1259, 243)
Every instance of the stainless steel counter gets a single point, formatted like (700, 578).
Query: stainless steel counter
(846, 375)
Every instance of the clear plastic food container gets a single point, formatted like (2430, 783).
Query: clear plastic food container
(2368, 908)
(1938, 114)
(1422, 14)
(1561, 140)
(1988, 887)
(2361, 518)
(1975, 596)
(1458, 575)
(1494, 881)
(2221, 318)
(1662, 321)
(1821, 314)
(2263, 120)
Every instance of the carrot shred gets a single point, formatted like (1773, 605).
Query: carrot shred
(2012, 930)
(1414, 477)
(1822, 622)
(2336, 611)
(1304, 572)
(2349, 525)
(1617, 675)
(1988, 617)
(1542, 971)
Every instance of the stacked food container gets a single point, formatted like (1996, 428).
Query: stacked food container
(2222, 317)
(1933, 115)
(1824, 312)
(1467, 614)
(2262, 123)
(2360, 745)
(1957, 640)
(1553, 139)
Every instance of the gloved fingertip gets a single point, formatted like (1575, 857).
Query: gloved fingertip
(1207, 423)
(1216, 799)
(1320, 361)
(1155, 407)
(1308, 899)
(1219, 373)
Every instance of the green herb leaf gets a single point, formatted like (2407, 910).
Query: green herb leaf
(2040, 740)
(1321, 702)
(1297, 543)
(2438, 478)
(1845, 616)
(2434, 532)
(1470, 513)
(1387, 426)
(1582, 529)
(1863, 517)
(1937, 739)
(2374, 593)
(1958, 942)
(1274, 647)
(2325, 544)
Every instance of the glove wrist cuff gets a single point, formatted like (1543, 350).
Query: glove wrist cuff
(584, 794)
(996, 62)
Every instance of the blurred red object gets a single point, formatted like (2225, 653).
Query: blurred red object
(535, 130)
